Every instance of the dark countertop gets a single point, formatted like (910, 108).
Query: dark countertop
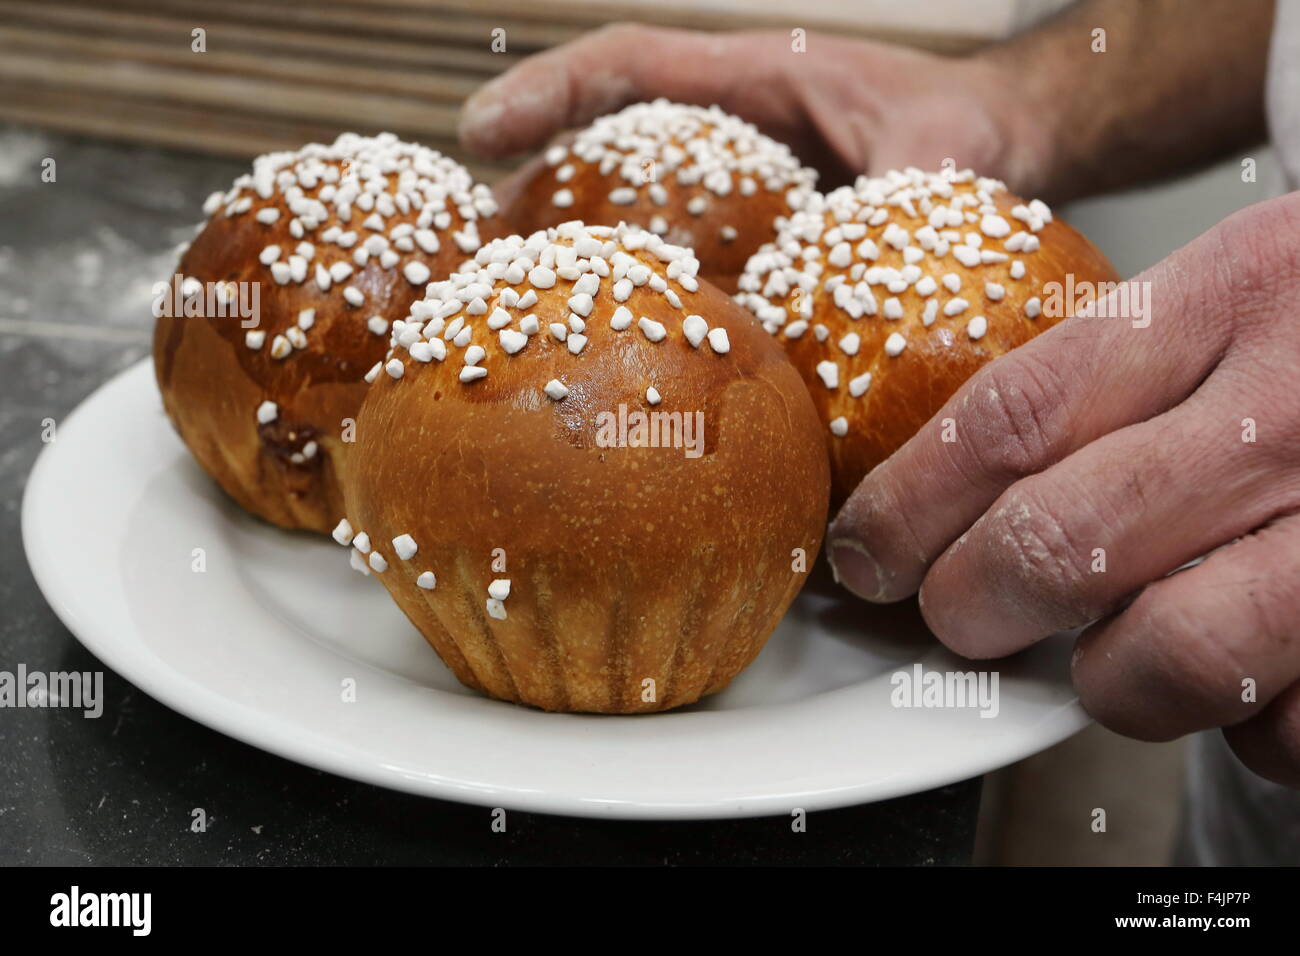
(77, 259)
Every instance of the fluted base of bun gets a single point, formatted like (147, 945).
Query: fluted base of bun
(607, 653)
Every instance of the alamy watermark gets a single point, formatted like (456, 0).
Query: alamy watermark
(641, 429)
(1098, 300)
(79, 690)
(976, 690)
(78, 908)
(189, 298)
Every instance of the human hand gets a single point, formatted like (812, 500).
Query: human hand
(1097, 458)
(845, 107)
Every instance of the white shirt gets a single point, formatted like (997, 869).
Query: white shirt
(1283, 90)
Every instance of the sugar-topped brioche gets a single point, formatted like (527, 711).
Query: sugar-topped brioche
(588, 477)
(890, 293)
(335, 241)
(698, 177)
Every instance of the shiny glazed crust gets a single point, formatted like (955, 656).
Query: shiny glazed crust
(737, 183)
(627, 565)
(906, 389)
(213, 381)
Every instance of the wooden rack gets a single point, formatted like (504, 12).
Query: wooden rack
(278, 73)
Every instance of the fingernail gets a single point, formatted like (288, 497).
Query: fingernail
(855, 569)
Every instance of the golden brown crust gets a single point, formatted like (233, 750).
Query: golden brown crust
(627, 564)
(721, 260)
(212, 382)
(723, 230)
(906, 390)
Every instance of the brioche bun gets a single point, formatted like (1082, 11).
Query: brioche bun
(700, 178)
(548, 557)
(336, 241)
(890, 293)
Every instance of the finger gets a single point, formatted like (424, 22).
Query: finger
(1066, 546)
(596, 74)
(1022, 413)
(1206, 647)
(1269, 744)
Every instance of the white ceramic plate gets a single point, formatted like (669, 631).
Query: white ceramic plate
(258, 646)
